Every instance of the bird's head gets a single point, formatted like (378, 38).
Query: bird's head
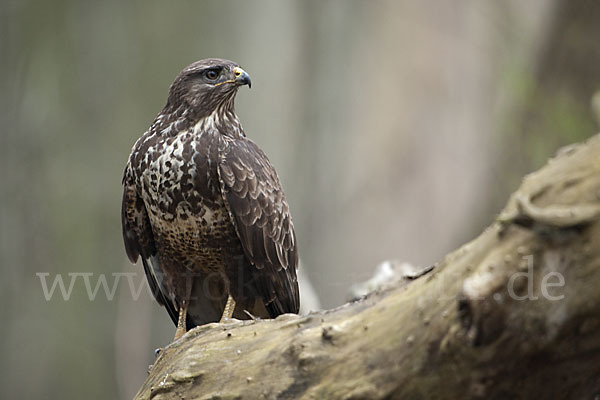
(206, 85)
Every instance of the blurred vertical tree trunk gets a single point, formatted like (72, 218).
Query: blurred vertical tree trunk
(570, 59)
(552, 107)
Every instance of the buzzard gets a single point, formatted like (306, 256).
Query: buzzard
(204, 209)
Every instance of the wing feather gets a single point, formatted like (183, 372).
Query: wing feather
(139, 241)
(261, 215)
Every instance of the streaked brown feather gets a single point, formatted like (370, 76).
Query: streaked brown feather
(263, 221)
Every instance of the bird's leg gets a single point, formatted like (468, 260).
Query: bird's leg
(181, 323)
(180, 331)
(228, 311)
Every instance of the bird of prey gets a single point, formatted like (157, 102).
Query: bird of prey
(204, 209)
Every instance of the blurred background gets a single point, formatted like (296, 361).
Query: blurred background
(398, 128)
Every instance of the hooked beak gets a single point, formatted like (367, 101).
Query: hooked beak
(242, 77)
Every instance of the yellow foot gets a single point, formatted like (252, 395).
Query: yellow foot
(248, 313)
(183, 310)
(179, 333)
(181, 323)
(228, 311)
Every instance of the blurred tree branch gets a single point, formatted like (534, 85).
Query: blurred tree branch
(515, 313)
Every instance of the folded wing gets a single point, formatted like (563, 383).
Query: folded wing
(258, 208)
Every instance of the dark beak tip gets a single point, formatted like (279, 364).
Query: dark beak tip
(245, 80)
(242, 78)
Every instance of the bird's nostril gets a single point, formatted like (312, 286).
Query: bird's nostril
(237, 73)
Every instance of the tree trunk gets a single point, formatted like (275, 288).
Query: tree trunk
(513, 314)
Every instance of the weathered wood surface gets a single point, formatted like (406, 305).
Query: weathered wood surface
(514, 314)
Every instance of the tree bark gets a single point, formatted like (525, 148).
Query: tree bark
(515, 314)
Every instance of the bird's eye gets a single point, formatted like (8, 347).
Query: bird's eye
(211, 74)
